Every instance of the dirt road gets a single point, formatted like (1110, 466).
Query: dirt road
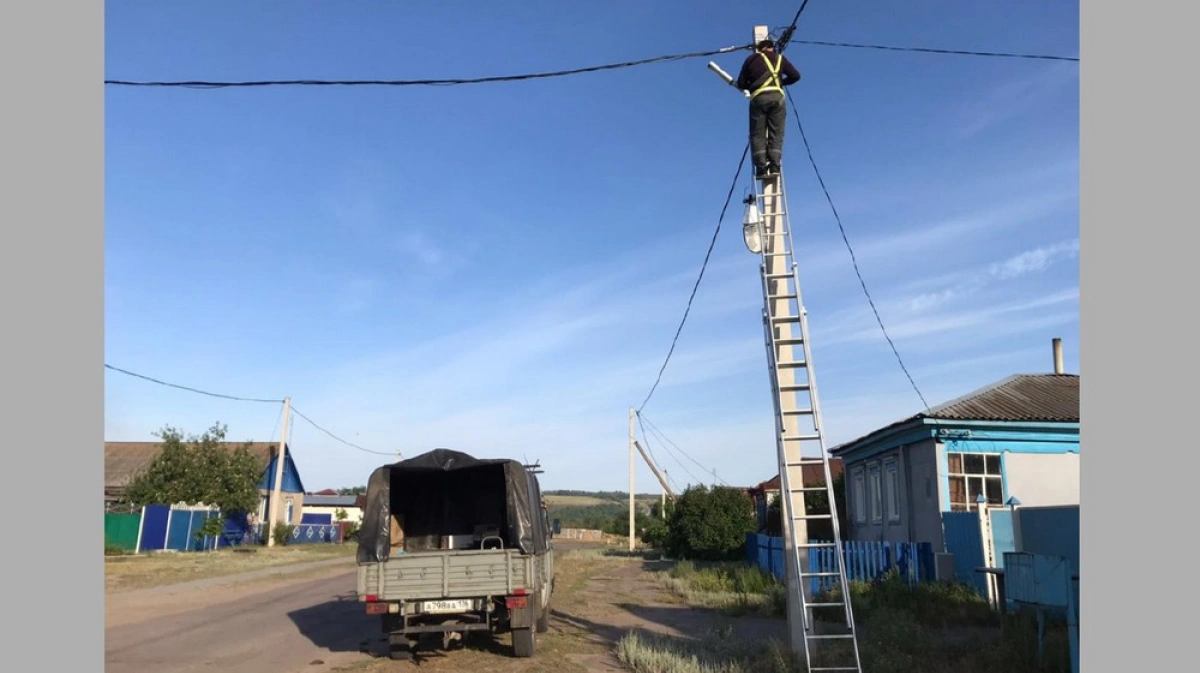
(311, 622)
(268, 627)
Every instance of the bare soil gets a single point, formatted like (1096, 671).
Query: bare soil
(598, 599)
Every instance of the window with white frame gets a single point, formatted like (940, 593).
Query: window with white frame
(858, 483)
(973, 474)
(891, 483)
(875, 482)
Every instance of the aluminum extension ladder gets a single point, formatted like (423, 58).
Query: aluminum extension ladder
(800, 445)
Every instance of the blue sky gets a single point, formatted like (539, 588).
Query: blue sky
(499, 268)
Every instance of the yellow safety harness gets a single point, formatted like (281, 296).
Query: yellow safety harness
(772, 83)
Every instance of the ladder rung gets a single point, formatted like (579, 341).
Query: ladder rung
(824, 605)
(794, 387)
(777, 276)
(790, 341)
(786, 318)
(815, 545)
(812, 517)
(797, 412)
(805, 489)
(794, 364)
(834, 668)
(831, 635)
(820, 574)
(787, 295)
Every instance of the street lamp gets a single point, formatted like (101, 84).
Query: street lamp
(752, 225)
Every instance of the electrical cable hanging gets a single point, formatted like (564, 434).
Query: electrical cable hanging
(853, 259)
(245, 399)
(707, 255)
(199, 84)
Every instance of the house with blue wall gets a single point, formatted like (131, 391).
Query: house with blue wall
(124, 460)
(1016, 437)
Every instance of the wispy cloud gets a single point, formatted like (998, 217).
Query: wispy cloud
(1033, 261)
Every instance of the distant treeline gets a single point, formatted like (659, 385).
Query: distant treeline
(615, 496)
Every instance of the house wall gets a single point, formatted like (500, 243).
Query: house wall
(911, 514)
(297, 506)
(1040, 479)
(353, 514)
(922, 490)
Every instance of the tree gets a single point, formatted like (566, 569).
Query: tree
(710, 525)
(199, 470)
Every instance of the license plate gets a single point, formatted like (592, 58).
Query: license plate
(447, 606)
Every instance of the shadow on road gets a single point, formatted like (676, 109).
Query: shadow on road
(341, 625)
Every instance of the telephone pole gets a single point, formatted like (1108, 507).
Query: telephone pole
(632, 532)
(277, 492)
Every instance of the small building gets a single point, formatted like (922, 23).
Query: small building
(764, 493)
(323, 507)
(124, 460)
(1016, 437)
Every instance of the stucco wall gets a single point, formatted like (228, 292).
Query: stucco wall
(1042, 479)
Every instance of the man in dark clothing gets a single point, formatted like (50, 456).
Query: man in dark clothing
(763, 76)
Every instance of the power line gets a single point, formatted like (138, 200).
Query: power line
(700, 277)
(245, 399)
(193, 390)
(667, 440)
(929, 50)
(199, 84)
(679, 462)
(335, 437)
(850, 248)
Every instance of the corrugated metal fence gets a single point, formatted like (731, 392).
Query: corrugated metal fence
(865, 561)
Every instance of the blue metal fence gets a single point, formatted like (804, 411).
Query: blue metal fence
(865, 561)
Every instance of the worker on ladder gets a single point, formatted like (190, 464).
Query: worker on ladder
(763, 76)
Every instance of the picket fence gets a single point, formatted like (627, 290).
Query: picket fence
(865, 561)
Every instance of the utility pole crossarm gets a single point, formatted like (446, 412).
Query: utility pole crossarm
(654, 468)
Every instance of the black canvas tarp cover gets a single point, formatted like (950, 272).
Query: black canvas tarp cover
(445, 492)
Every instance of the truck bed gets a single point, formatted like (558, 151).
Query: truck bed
(450, 574)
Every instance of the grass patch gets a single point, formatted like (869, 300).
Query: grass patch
(716, 653)
(123, 573)
(895, 643)
(930, 604)
(733, 588)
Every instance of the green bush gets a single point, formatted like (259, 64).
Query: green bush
(283, 533)
(710, 525)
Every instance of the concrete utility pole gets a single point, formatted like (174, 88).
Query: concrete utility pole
(277, 493)
(632, 532)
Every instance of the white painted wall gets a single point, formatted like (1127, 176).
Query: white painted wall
(1042, 479)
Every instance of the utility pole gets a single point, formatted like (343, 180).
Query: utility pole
(632, 532)
(277, 492)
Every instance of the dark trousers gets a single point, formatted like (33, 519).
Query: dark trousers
(768, 111)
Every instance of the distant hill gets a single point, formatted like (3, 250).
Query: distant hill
(594, 509)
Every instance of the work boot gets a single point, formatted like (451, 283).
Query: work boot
(762, 171)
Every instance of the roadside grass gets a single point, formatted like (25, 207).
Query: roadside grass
(735, 589)
(127, 572)
(931, 628)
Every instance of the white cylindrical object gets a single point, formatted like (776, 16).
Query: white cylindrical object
(721, 73)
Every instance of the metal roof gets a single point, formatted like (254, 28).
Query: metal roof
(1021, 397)
(1028, 398)
(330, 500)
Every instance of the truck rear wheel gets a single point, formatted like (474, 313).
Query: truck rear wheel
(523, 642)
